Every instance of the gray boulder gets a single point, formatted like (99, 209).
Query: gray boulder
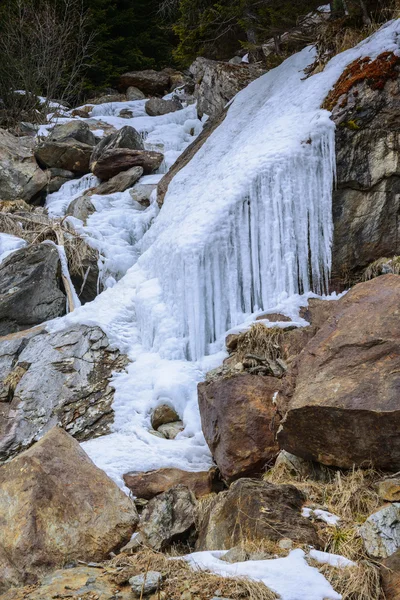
(81, 208)
(20, 175)
(169, 517)
(141, 193)
(55, 378)
(75, 130)
(127, 137)
(142, 585)
(156, 107)
(133, 93)
(381, 531)
(30, 293)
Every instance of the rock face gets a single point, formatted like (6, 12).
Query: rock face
(381, 531)
(345, 407)
(151, 484)
(20, 175)
(156, 107)
(151, 83)
(120, 182)
(218, 82)
(55, 516)
(55, 378)
(367, 199)
(30, 293)
(115, 160)
(239, 422)
(168, 518)
(255, 511)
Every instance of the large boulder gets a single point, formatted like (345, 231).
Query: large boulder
(239, 422)
(20, 175)
(75, 130)
(70, 155)
(30, 282)
(55, 378)
(255, 511)
(126, 137)
(156, 107)
(381, 531)
(63, 508)
(116, 160)
(365, 106)
(345, 404)
(151, 83)
(120, 182)
(152, 483)
(218, 82)
(169, 518)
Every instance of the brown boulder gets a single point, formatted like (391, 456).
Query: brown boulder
(163, 414)
(120, 182)
(156, 107)
(345, 408)
(70, 155)
(255, 511)
(390, 574)
(389, 489)
(115, 160)
(239, 420)
(150, 484)
(63, 508)
(151, 83)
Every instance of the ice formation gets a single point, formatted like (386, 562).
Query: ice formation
(246, 226)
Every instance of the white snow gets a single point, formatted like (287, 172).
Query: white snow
(9, 244)
(334, 560)
(291, 577)
(321, 515)
(233, 239)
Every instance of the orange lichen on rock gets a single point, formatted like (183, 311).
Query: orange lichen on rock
(375, 72)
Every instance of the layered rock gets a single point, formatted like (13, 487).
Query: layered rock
(55, 378)
(30, 282)
(345, 408)
(120, 182)
(63, 508)
(70, 155)
(239, 422)
(20, 175)
(116, 160)
(218, 82)
(255, 511)
(365, 107)
(126, 137)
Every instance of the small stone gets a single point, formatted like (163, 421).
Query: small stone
(126, 113)
(162, 415)
(91, 580)
(135, 543)
(285, 544)
(381, 531)
(235, 555)
(157, 433)
(260, 556)
(146, 583)
(389, 489)
(171, 430)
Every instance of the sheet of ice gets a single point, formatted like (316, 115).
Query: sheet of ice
(334, 560)
(9, 244)
(58, 202)
(233, 238)
(321, 515)
(291, 577)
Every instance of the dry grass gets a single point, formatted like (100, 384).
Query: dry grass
(261, 341)
(179, 577)
(382, 266)
(352, 496)
(35, 228)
